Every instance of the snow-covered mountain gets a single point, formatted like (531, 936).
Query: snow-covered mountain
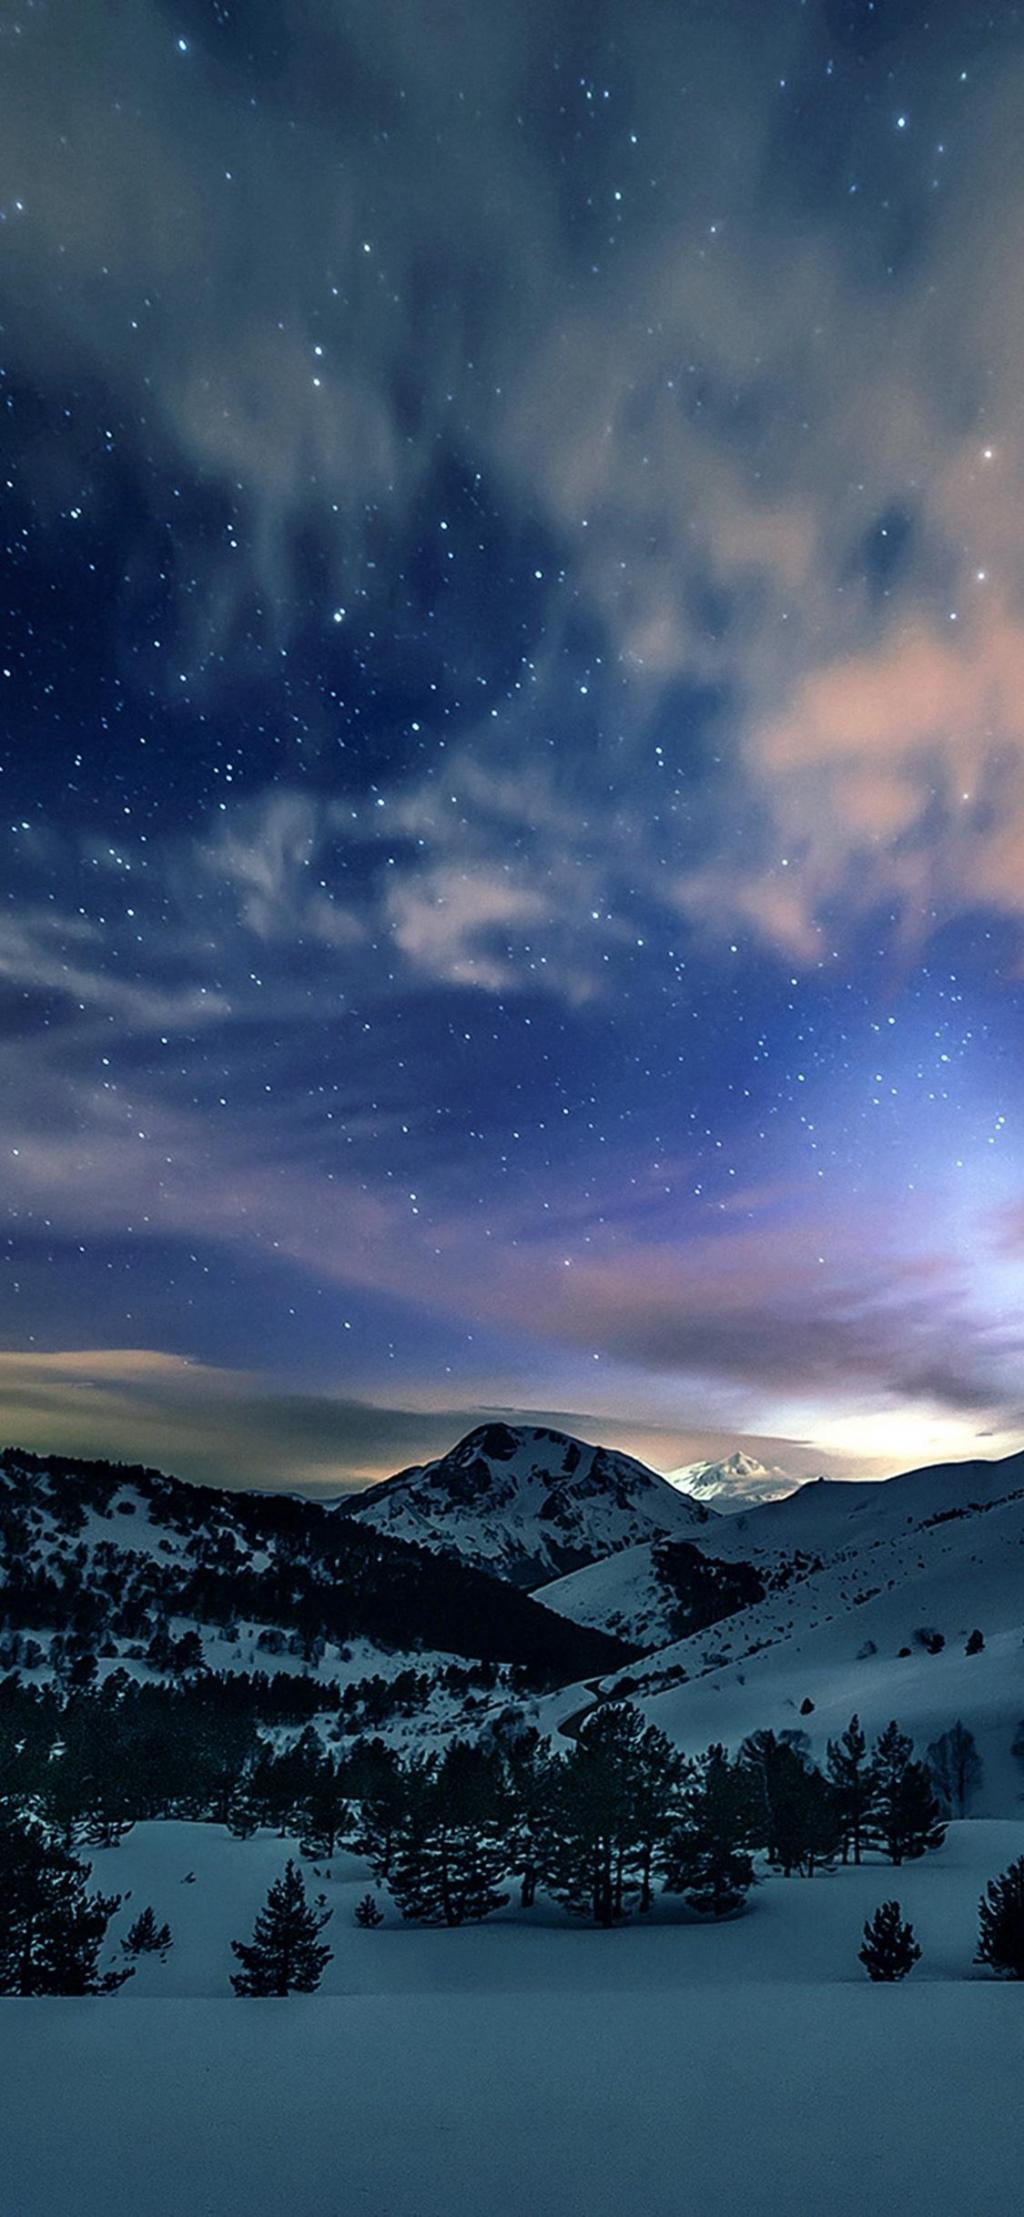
(739, 1481)
(528, 1504)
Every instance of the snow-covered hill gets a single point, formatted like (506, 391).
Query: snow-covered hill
(739, 1481)
(105, 1565)
(871, 1595)
(649, 1594)
(528, 1504)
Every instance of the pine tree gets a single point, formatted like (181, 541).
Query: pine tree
(376, 1789)
(658, 1771)
(528, 1770)
(793, 1809)
(1001, 1923)
(613, 1799)
(146, 1937)
(51, 1930)
(324, 1812)
(284, 1955)
(367, 1914)
(850, 1777)
(705, 1858)
(889, 1950)
(955, 1766)
(905, 1813)
(451, 1845)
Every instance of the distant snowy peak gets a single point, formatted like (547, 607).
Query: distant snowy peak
(529, 1504)
(737, 1482)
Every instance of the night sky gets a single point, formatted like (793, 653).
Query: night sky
(512, 797)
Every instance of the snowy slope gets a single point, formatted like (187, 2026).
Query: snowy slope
(208, 1885)
(851, 1584)
(817, 1513)
(622, 1590)
(655, 1592)
(528, 1504)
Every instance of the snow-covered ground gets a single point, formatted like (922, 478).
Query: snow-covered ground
(669, 2070)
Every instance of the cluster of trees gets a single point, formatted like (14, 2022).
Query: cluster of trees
(286, 1954)
(98, 1758)
(704, 1590)
(599, 1826)
(621, 1811)
(227, 1559)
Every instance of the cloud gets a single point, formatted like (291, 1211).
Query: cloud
(58, 953)
(451, 924)
(704, 386)
(201, 1422)
(228, 1427)
(265, 855)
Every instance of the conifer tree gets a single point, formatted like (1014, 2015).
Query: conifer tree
(888, 1950)
(528, 1770)
(376, 1787)
(658, 1770)
(367, 1914)
(905, 1812)
(1001, 1923)
(51, 1930)
(850, 1776)
(451, 1846)
(285, 1955)
(955, 1766)
(793, 1810)
(324, 1812)
(146, 1937)
(612, 1800)
(705, 1857)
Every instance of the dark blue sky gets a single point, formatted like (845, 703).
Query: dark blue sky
(513, 739)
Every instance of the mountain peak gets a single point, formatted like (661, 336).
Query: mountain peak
(528, 1502)
(737, 1481)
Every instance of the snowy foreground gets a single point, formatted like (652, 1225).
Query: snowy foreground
(673, 2070)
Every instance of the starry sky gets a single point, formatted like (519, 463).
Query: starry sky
(512, 755)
